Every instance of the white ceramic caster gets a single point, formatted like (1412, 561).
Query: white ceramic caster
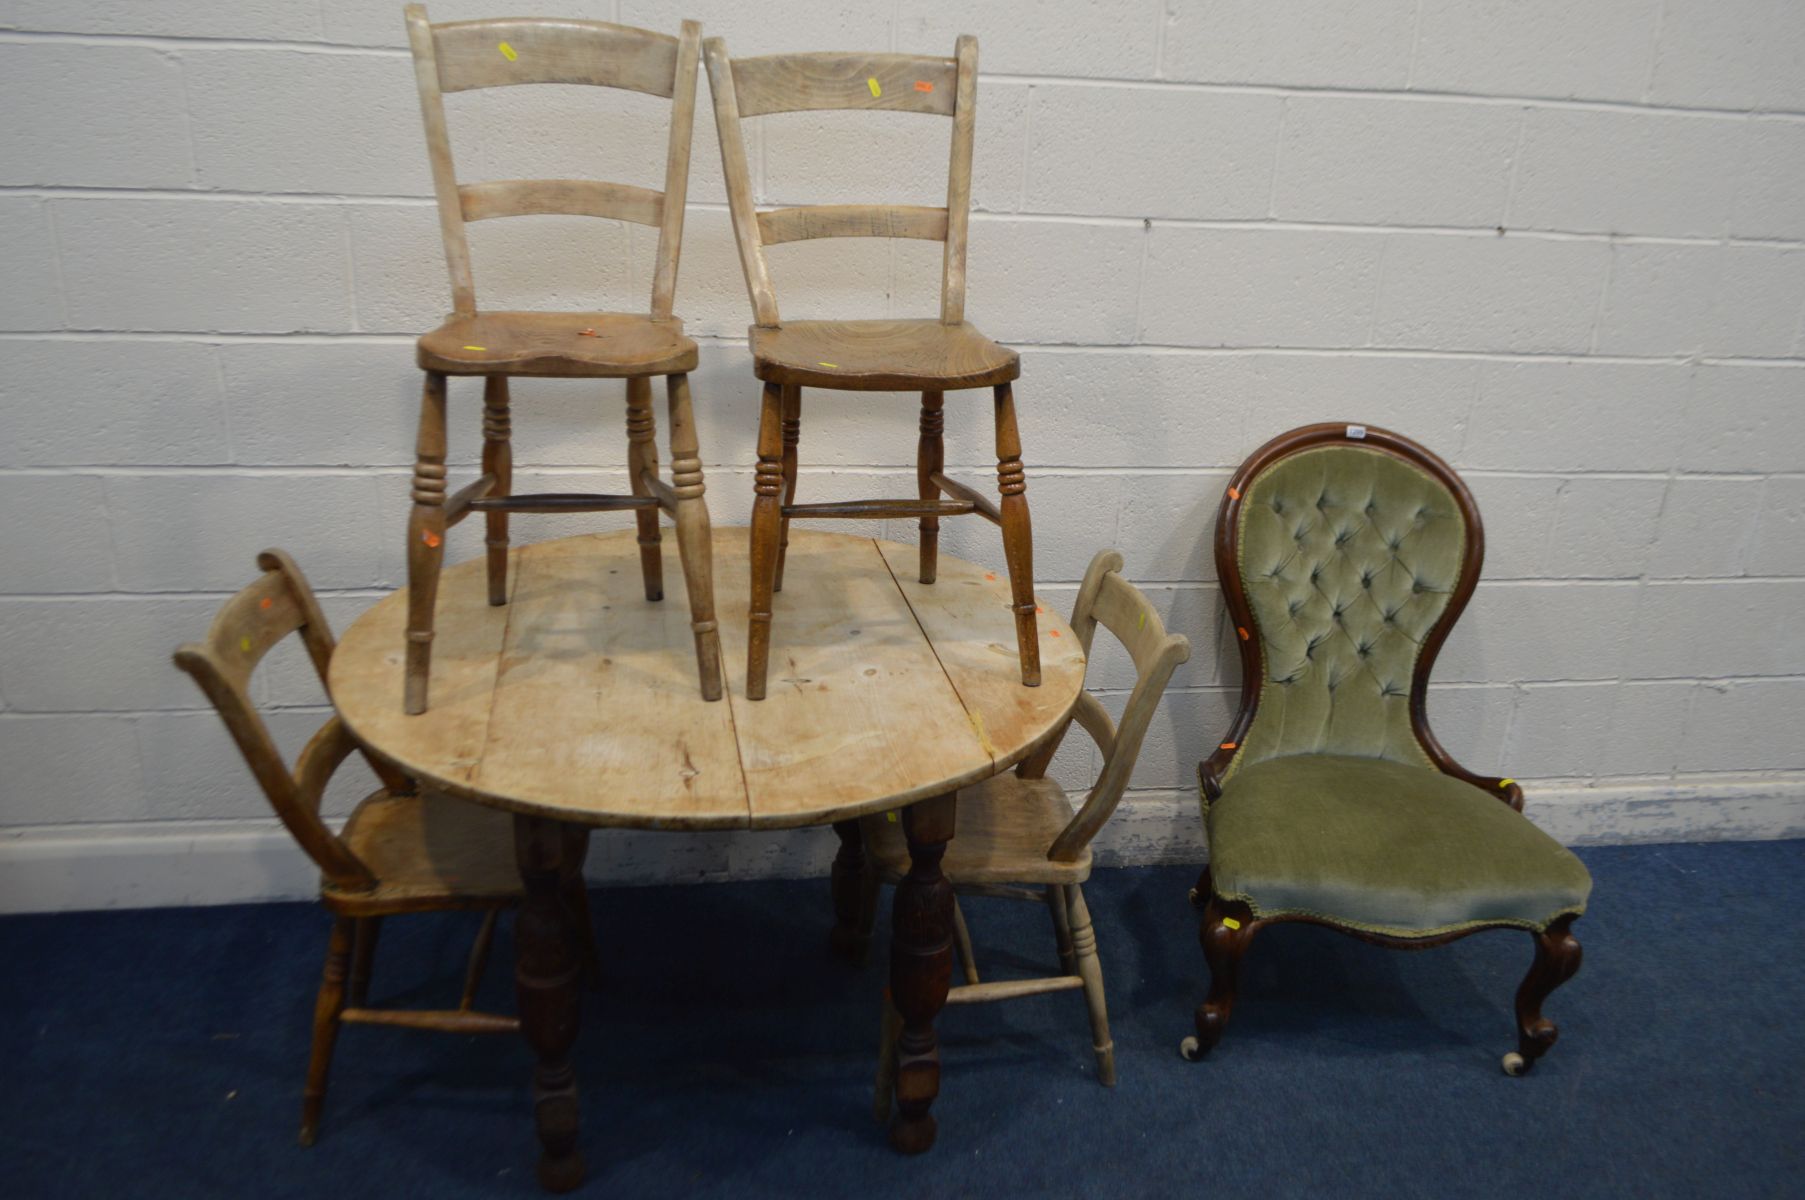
(1190, 1051)
(1514, 1064)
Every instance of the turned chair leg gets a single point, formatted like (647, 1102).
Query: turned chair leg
(498, 461)
(1556, 961)
(363, 954)
(695, 542)
(642, 460)
(1090, 969)
(1062, 928)
(930, 459)
(792, 433)
(767, 487)
(1018, 538)
(576, 899)
(1227, 929)
(425, 540)
(326, 1010)
(968, 961)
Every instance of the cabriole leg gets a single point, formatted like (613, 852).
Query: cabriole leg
(642, 460)
(921, 968)
(425, 540)
(792, 433)
(498, 460)
(1556, 961)
(1225, 933)
(1018, 537)
(695, 544)
(546, 972)
(767, 487)
(930, 458)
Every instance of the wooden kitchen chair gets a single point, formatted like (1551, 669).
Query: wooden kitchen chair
(401, 851)
(1018, 837)
(1346, 553)
(590, 345)
(931, 356)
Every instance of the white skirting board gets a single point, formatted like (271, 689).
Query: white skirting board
(161, 864)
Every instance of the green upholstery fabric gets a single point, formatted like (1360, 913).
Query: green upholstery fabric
(1384, 847)
(1348, 556)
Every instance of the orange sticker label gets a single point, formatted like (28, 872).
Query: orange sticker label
(1234, 493)
(267, 602)
(922, 85)
(1052, 633)
(1242, 632)
(1228, 745)
(431, 539)
(991, 576)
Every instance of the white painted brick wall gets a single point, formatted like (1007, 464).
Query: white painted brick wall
(1562, 244)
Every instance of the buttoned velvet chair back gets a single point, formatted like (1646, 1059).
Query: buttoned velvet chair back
(1350, 552)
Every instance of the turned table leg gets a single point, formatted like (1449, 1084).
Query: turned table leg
(851, 934)
(921, 968)
(548, 966)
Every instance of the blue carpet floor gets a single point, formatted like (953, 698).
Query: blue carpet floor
(160, 1053)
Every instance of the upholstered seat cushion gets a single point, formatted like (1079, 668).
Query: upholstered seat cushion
(1385, 847)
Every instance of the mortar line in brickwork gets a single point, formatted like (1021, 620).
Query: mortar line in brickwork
(1109, 220)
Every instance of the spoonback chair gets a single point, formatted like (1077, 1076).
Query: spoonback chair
(1346, 553)
(1019, 837)
(932, 355)
(592, 345)
(401, 851)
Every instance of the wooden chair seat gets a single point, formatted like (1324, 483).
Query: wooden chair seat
(427, 851)
(1005, 828)
(904, 355)
(584, 345)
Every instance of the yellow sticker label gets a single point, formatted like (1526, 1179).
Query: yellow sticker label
(1142, 623)
(891, 816)
(1504, 783)
(476, 347)
(244, 643)
(508, 52)
(1230, 923)
(871, 82)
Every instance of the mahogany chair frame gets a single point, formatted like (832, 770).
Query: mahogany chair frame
(947, 87)
(462, 55)
(246, 628)
(1106, 599)
(1228, 926)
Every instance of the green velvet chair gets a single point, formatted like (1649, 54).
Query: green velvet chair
(1346, 553)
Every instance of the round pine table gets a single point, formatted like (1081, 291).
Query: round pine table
(576, 706)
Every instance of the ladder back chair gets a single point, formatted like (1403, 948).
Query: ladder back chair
(593, 345)
(1346, 553)
(931, 355)
(401, 851)
(1019, 837)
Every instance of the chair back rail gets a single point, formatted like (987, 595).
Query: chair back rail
(246, 628)
(783, 83)
(463, 55)
(1106, 599)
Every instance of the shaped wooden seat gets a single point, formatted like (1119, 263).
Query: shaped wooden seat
(1018, 836)
(427, 851)
(909, 355)
(636, 347)
(402, 851)
(564, 345)
(930, 356)
(1006, 827)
